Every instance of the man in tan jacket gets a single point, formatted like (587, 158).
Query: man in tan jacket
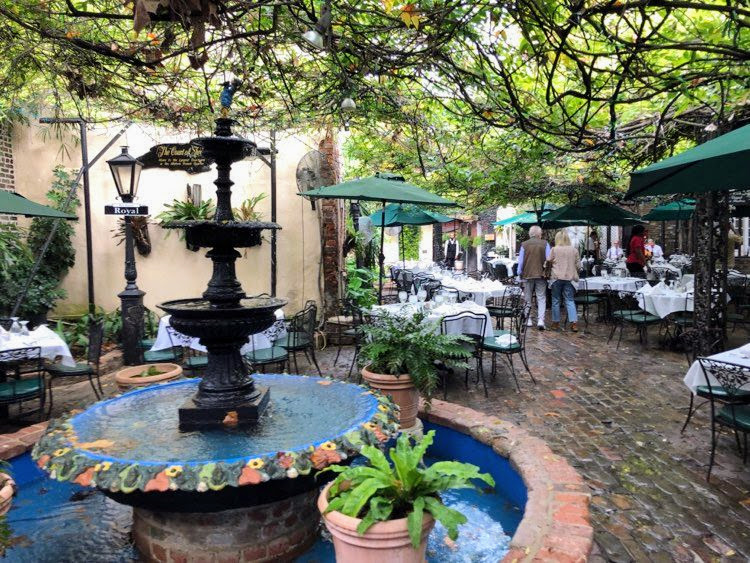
(534, 252)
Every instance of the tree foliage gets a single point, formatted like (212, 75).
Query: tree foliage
(490, 100)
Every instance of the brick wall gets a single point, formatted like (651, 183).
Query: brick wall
(7, 175)
(333, 228)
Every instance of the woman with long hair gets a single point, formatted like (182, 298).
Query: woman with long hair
(565, 264)
(636, 259)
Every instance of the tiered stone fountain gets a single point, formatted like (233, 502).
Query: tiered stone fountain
(225, 467)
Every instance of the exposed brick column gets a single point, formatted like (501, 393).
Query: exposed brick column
(7, 175)
(333, 226)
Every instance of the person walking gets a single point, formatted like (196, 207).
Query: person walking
(534, 253)
(636, 260)
(564, 262)
(451, 250)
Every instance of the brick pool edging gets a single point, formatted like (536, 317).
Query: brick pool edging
(556, 525)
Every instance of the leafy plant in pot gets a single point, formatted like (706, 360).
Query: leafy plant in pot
(384, 511)
(400, 356)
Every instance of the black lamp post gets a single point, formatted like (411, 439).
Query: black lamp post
(126, 172)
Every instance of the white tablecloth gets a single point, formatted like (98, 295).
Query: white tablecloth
(597, 283)
(261, 340)
(480, 290)
(48, 340)
(663, 305)
(462, 326)
(695, 377)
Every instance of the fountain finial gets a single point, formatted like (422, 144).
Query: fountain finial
(227, 94)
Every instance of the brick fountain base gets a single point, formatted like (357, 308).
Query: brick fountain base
(269, 532)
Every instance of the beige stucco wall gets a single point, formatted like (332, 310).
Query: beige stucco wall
(171, 271)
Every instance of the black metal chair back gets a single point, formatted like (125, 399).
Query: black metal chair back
(431, 287)
(691, 340)
(96, 338)
(6, 322)
(302, 326)
(476, 336)
(500, 271)
(25, 361)
(731, 377)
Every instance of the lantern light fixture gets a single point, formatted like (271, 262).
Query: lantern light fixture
(126, 172)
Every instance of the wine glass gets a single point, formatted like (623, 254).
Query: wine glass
(402, 296)
(24, 328)
(15, 328)
(421, 295)
(412, 299)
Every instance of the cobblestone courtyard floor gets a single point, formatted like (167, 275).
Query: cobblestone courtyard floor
(616, 416)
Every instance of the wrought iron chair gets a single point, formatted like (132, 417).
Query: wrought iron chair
(690, 341)
(500, 272)
(301, 335)
(257, 358)
(729, 400)
(23, 380)
(405, 281)
(89, 369)
(519, 329)
(475, 345)
(431, 287)
(145, 356)
(585, 299)
(193, 361)
(346, 325)
(6, 322)
(505, 307)
(626, 311)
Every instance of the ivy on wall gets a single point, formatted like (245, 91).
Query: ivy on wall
(412, 234)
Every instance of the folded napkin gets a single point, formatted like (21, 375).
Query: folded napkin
(506, 340)
(645, 290)
(659, 289)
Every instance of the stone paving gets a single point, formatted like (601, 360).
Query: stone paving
(616, 417)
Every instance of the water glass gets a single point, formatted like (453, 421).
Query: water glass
(412, 299)
(402, 296)
(24, 328)
(421, 295)
(15, 328)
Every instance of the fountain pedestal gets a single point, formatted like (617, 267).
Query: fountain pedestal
(223, 318)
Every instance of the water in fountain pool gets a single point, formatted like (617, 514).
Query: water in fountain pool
(143, 425)
(52, 521)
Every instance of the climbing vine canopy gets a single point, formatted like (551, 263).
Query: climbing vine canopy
(607, 81)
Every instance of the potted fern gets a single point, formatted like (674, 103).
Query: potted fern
(384, 511)
(401, 354)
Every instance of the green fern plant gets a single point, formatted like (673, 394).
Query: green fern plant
(395, 345)
(186, 211)
(380, 491)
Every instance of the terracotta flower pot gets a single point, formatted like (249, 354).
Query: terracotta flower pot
(384, 541)
(401, 389)
(7, 491)
(127, 378)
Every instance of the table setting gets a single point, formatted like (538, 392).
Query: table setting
(260, 340)
(694, 376)
(662, 300)
(617, 283)
(50, 343)
(481, 290)
(436, 310)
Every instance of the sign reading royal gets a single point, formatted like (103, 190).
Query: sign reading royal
(176, 156)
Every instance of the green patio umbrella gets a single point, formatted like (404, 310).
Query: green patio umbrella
(720, 164)
(12, 203)
(526, 217)
(673, 211)
(398, 215)
(590, 212)
(385, 188)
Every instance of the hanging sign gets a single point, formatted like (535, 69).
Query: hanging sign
(176, 156)
(126, 209)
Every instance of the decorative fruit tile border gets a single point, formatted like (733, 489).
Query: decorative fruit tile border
(556, 525)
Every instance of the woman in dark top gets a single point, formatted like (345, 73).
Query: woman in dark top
(636, 251)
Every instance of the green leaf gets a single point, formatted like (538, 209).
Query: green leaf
(414, 522)
(359, 496)
(448, 517)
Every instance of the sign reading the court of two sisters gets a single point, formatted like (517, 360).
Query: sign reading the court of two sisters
(176, 156)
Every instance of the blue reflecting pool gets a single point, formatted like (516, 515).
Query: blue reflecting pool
(56, 522)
